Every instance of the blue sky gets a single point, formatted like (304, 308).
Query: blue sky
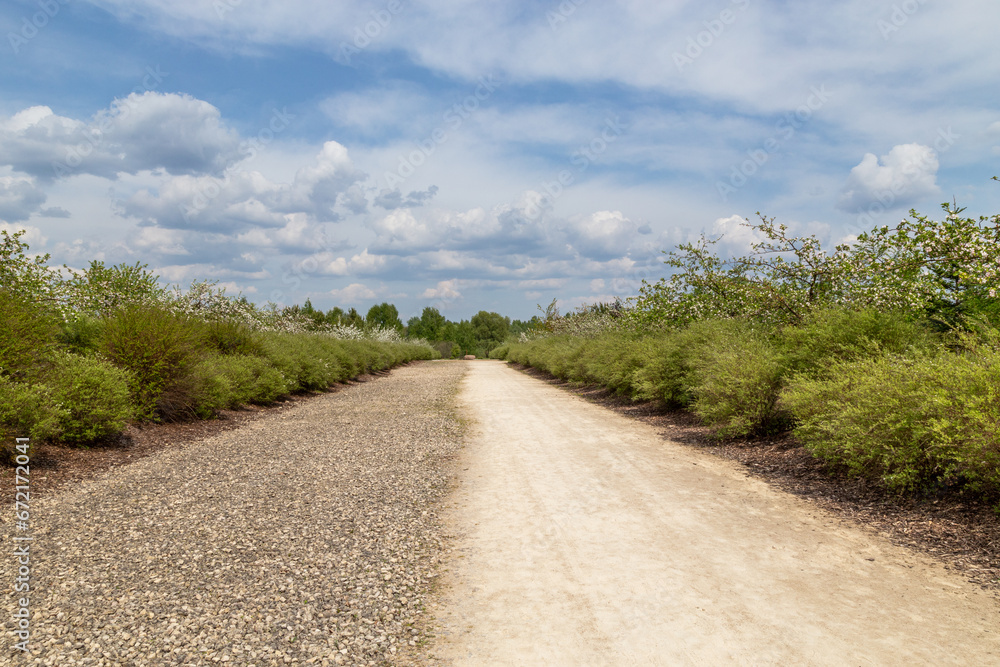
(472, 155)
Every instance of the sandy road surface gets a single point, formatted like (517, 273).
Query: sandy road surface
(584, 538)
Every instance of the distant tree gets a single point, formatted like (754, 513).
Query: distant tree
(518, 327)
(431, 324)
(335, 316)
(315, 315)
(384, 315)
(490, 330)
(462, 335)
(354, 318)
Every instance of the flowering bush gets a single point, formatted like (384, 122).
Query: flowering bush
(946, 269)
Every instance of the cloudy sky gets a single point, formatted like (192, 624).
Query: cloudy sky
(479, 155)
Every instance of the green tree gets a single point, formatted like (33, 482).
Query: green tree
(384, 315)
(335, 316)
(489, 329)
(944, 269)
(354, 319)
(428, 326)
(27, 276)
(462, 334)
(101, 289)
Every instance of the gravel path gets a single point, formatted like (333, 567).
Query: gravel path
(308, 537)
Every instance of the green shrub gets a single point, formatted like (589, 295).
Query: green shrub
(735, 377)
(94, 395)
(666, 373)
(81, 334)
(229, 337)
(500, 352)
(300, 359)
(251, 379)
(161, 350)
(27, 411)
(27, 336)
(911, 422)
(834, 333)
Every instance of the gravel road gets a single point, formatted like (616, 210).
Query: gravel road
(307, 537)
(585, 538)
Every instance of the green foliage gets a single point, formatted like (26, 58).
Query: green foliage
(735, 378)
(489, 330)
(94, 395)
(101, 290)
(834, 333)
(500, 352)
(428, 326)
(944, 269)
(245, 379)
(384, 315)
(81, 334)
(160, 349)
(24, 276)
(27, 411)
(28, 332)
(231, 337)
(913, 422)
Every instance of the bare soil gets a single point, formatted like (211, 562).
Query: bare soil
(957, 527)
(583, 537)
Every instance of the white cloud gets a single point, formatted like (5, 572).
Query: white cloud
(144, 131)
(446, 290)
(353, 293)
(185, 273)
(906, 174)
(602, 234)
(32, 235)
(244, 200)
(19, 198)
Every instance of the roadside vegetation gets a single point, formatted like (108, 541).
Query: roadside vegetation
(881, 356)
(85, 353)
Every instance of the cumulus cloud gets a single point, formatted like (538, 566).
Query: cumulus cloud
(907, 173)
(144, 131)
(244, 200)
(602, 234)
(19, 198)
(393, 199)
(504, 229)
(32, 235)
(353, 293)
(446, 290)
(328, 263)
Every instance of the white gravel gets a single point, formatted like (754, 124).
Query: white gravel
(310, 536)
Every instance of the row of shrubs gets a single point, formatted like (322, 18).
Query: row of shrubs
(82, 381)
(879, 393)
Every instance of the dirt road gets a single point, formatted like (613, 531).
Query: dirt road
(586, 539)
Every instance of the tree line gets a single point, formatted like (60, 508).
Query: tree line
(477, 335)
